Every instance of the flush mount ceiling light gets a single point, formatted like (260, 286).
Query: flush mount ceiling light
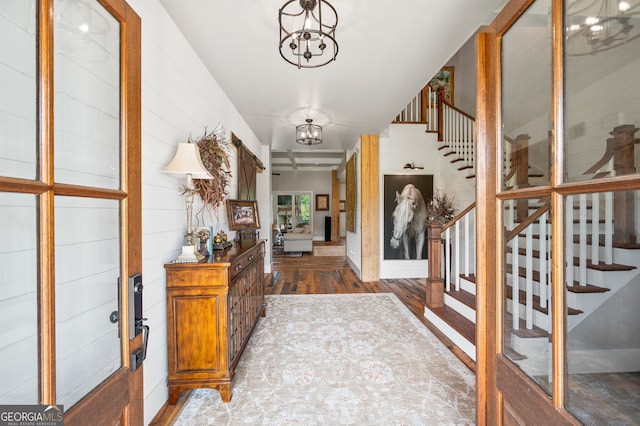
(307, 33)
(309, 134)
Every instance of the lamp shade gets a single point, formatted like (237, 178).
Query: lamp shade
(187, 161)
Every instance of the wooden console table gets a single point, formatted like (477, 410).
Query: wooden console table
(212, 309)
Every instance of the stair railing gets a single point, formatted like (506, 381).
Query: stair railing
(598, 230)
(457, 129)
(619, 157)
(459, 236)
(525, 231)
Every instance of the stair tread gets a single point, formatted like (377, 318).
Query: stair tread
(457, 321)
(589, 288)
(536, 277)
(600, 266)
(470, 277)
(628, 246)
(523, 331)
(449, 153)
(513, 355)
(536, 302)
(457, 160)
(464, 297)
(465, 167)
(443, 147)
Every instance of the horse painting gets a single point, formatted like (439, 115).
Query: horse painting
(409, 220)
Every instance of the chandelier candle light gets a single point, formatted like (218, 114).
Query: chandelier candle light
(187, 162)
(309, 134)
(307, 33)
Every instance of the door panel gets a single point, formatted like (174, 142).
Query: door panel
(587, 302)
(73, 222)
(87, 271)
(87, 94)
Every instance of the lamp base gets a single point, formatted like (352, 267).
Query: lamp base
(188, 255)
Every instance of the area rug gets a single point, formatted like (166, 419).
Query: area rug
(350, 359)
(328, 251)
(278, 251)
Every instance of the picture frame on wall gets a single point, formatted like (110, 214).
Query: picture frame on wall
(242, 214)
(405, 231)
(444, 80)
(322, 202)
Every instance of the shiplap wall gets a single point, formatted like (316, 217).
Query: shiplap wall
(179, 98)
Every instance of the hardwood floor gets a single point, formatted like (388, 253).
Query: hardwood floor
(311, 274)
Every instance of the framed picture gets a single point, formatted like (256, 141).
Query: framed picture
(322, 201)
(342, 202)
(444, 79)
(405, 215)
(242, 214)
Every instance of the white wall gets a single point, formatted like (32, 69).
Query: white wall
(317, 183)
(464, 77)
(408, 143)
(179, 98)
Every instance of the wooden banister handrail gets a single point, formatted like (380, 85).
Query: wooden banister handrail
(529, 220)
(458, 110)
(459, 216)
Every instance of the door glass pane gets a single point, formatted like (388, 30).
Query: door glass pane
(18, 299)
(527, 266)
(87, 264)
(526, 98)
(87, 94)
(18, 76)
(602, 106)
(603, 295)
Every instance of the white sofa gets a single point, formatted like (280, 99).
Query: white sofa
(299, 238)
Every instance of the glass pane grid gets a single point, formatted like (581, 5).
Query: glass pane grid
(527, 287)
(18, 299)
(602, 293)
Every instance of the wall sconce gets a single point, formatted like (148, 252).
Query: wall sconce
(412, 166)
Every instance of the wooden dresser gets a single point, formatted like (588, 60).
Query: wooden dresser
(212, 309)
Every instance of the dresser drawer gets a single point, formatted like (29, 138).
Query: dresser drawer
(241, 262)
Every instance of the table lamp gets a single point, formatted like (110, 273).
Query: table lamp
(187, 162)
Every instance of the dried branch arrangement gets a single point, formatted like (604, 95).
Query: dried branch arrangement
(214, 152)
(440, 208)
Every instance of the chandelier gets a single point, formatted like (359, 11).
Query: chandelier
(594, 27)
(307, 33)
(309, 134)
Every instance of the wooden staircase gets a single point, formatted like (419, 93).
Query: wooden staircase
(597, 270)
(595, 280)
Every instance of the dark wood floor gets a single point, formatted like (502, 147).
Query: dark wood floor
(311, 274)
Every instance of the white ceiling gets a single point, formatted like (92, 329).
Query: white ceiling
(388, 51)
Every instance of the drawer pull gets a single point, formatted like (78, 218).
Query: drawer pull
(237, 268)
(250, 258)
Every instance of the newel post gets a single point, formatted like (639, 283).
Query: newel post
(435, 284)
(624, 206)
